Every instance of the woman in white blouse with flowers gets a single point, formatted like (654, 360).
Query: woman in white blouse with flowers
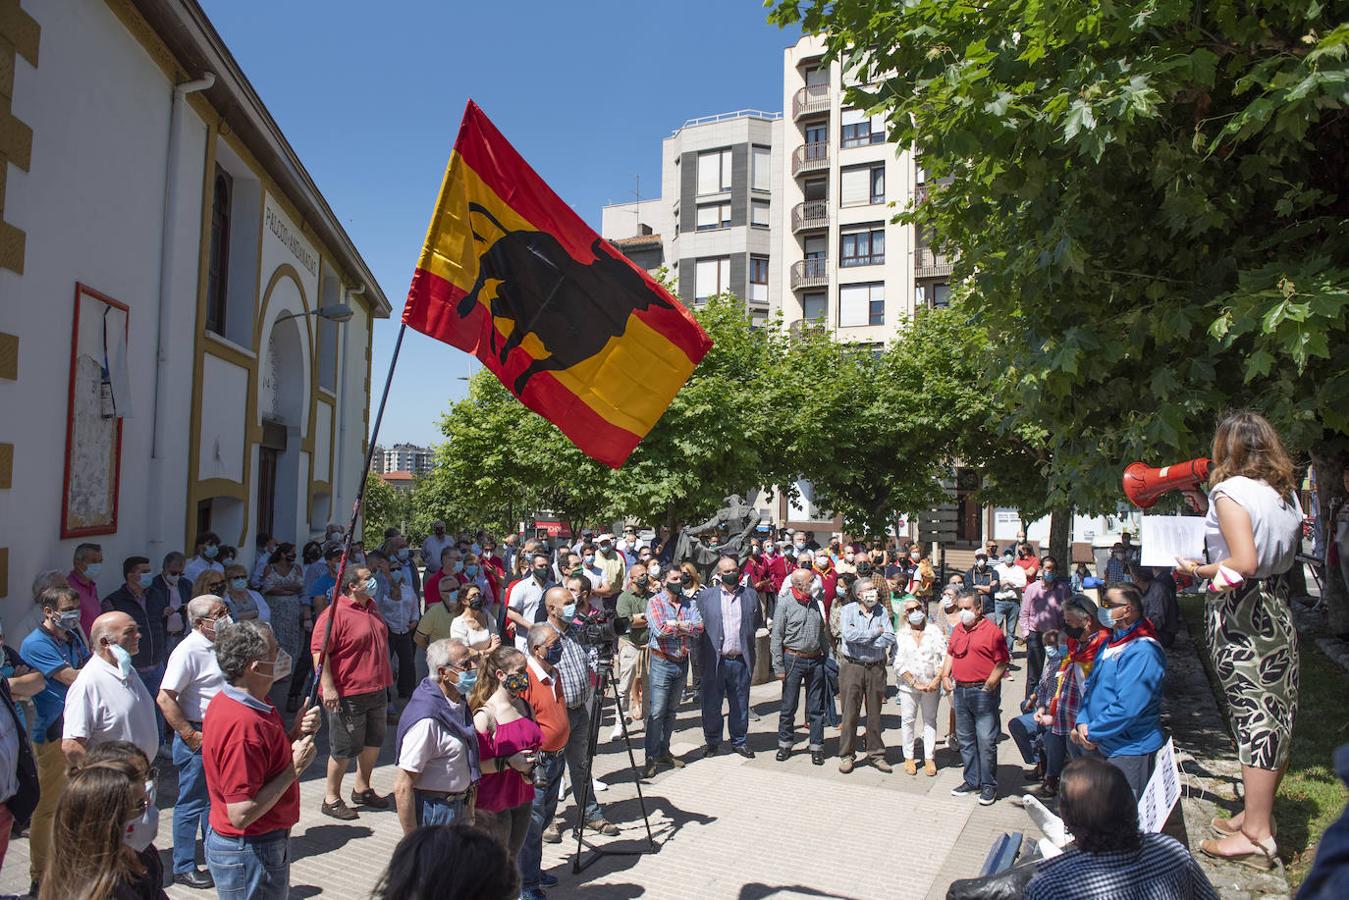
(920, 650)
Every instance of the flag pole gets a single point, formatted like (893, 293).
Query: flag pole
(356, 510)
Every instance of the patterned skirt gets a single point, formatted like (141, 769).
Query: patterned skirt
(1254, 649)
(286, 622)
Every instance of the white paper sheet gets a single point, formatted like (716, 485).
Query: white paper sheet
(1163, 538)
(1162, 791)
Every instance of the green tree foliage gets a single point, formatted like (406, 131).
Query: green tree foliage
(384, 507)
(1147, 203)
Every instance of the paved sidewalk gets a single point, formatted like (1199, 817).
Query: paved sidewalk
(725, 827)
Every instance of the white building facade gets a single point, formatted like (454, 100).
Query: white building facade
(402, 458)
(716, 218)
(163, 364)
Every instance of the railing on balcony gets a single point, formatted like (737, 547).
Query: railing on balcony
(810, 214)
(812, 98)
(928, 263)
(813, 272)
(810, 158)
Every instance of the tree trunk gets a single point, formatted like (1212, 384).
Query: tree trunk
(1329, 463)
(1060, 530)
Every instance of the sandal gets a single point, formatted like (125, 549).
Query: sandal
(1223, 827)
(1263, 858)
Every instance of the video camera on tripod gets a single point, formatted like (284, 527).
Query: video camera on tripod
(599, 630)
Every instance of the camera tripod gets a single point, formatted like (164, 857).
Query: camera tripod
(606, 676)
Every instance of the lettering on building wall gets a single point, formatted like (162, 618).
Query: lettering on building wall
(278, 226)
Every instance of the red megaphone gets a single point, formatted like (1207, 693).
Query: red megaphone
(1144, 484)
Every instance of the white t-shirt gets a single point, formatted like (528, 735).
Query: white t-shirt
(525, 599)
(101, 707)
(436, 757)
(1275, 521)
(464, 630)
(196, 565)
(194, 675)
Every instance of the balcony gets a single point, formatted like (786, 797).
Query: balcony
(810, 214)
(810, 158)
(809, 273)
(813, 98)
(928, 263)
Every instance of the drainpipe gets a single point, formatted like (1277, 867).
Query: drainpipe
(168, 229)
(341, 454)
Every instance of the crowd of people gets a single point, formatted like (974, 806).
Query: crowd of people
(182, 664)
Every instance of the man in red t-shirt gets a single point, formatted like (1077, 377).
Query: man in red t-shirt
(976, 660)
(355, 677)
(252, 766)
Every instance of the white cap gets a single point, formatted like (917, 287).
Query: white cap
(605, 537)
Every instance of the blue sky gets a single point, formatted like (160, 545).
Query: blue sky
(370, 96)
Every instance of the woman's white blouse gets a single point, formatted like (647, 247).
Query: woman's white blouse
(922, 661)
(1276, 522)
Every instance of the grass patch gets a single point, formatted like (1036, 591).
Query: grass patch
(1311, 795)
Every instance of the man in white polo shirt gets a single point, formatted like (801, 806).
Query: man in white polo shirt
(108, 701)
(191, 678)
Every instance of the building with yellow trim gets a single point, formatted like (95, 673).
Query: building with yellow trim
(185, 326)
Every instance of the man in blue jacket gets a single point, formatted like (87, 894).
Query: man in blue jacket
(730, 613)
(1121, 713)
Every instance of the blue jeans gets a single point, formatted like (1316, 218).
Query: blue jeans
(1056, 752)
(729, 680)
(798, 669)
(1028, 736)
(433, 810)
(665, 685)
(189, 812)
(543, 811)
(250, 868)
(1005, 613)
(152, 678)
(977, 733)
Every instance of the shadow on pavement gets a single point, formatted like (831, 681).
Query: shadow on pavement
(761, 891)
(325, 839)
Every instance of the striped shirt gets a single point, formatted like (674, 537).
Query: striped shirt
(661, 615)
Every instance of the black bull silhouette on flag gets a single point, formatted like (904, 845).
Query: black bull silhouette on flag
(571, 308)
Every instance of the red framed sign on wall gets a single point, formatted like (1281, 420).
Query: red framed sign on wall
(98, 399)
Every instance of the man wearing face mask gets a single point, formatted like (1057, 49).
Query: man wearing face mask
(398, 607)
(866, 644)
(674, 623)
(976, 660)
(205, 556)
(1159, 601)
(400, 557)
(436, 747)
(983, 578)
(435, 544)
(136, 600)
(108, 701)
(1007, 598)
(191, 679)
(549, 705)
(730, 614)
(170, 592)
(632, 648)
(83, 577)
(1042, 606)
(611, 562)
(253, 767)
(525, 607)
(1121, 714)
(354, 678)
(56, 649)
(1117, 566)
(799, 641)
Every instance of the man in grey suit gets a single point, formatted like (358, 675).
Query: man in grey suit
(730, 612)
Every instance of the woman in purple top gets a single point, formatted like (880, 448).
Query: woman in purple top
(508, 741)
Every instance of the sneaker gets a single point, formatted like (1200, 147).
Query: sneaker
(987, 797)
(964, 790)
(929, 768)
(846, 764)
(533, 894)
(650, 770)
(546, 880)
(911, 768)
(598, 785)
(552, 834)
(617, 732)
(338, 810)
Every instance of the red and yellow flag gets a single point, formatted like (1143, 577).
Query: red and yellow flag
(512, 275)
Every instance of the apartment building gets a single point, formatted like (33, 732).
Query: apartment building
(848, 266)
(715, 225)
(402, 458)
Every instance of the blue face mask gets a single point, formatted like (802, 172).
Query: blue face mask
(554, 655)
(458, 566)
(470, 570)
(371, 586)
(569, 612)
(467, 681)
(209, 551)
(92, 570)
(146, 579)
(1047, 577)
(1103, 616)
(1053, 652)
(123, 658)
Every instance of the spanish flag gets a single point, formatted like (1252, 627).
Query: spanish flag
(512, 275)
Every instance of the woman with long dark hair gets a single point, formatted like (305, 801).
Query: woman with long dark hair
(449, 862)
(508, 743)
(1252, 533)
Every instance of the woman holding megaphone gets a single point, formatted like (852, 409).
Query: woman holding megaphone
(1252, 533)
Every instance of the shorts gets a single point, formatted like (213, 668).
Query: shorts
(358, 723)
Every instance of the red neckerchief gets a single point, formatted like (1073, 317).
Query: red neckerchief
(1142, 629)
(802, 598)
(1085, 652)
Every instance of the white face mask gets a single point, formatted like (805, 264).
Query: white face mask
(967, 617)
(141, 832)
(868, 599)
(916, 617)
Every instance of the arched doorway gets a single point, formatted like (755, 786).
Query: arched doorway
(283, 403)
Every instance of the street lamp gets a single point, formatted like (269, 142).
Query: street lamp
(337, 312)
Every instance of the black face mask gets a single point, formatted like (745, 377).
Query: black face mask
(864, 569)
(803, 565)
(1074, 633)
(640, 580)
(729, 579)
(674, 587)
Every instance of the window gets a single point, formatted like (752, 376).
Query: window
(859, 130)
(931, 295)
(712, 277)
(714, 171)
(762, 169)
(816, 189)
(861, 304)
(862, 185)
(813, 307)
(817, 134)
(817, 75)
(217, 269)
(862, 248)
(714, 215)
(758, 212)
(758, 279)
